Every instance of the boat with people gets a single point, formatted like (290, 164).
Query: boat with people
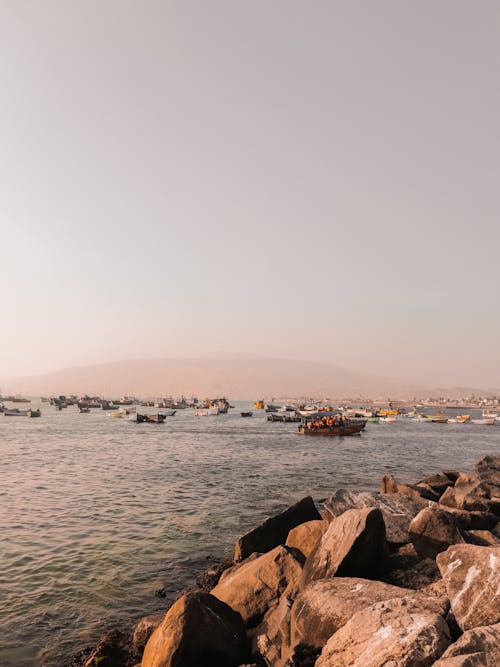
(328, 425)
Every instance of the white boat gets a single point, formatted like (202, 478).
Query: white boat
(168, 413)
(485, 421)
(490, 415)
(15, 412)
(387, 420)
(206, 412)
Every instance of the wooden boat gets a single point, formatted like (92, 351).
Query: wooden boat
(349, 427)
(285, 417)
(35, 413)
(84, 410)
(168, 413)
(246, 414)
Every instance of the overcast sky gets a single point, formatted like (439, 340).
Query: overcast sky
(311, 180)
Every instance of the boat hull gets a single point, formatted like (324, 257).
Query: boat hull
(334, 430)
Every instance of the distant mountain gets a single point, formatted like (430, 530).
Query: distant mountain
(237, 378)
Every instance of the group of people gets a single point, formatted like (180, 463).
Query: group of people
(326, 422)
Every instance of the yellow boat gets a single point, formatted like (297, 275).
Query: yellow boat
(258, 405)
(389, 413)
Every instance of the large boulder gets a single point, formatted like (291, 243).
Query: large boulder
(306, 536)
(353, 546)
(477, 491)
(470, 520)
(274, 531)
(391, 485)
(488, 469)
(398, 509)
(399, 632)
(197, 630)
(438, 483)
(324, 606)
(483, 538)
(479, 647)
(252, 586)
(472, 576)
(433, 531)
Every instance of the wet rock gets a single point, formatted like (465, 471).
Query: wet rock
(479, 647)
(197, 630)
(306, 536)
(353, 546)
(433, 531)
(472, 576)
(143, 631)
(398, 509)
(274, 531)
(399, 632)
(113, 650)
(324, 606)
(252, 586)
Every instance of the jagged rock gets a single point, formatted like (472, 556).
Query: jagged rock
(324, 606)
(398, 509)
(274, 531)
(353, 546)
(433, 531)
(483, 538)
(390, 485)
(143, 631)
(306, 536)
(470, 520)
(252, 586)
(438, 483)
(271, 638)
(472, 576)
(488, 469)
(399, 632)
(111, 651)
(478, 491)
(207, 579)
(479, 647)
(197, 630)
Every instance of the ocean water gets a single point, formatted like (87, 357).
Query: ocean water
(98, 513)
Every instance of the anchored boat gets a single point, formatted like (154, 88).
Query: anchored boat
(327, 425)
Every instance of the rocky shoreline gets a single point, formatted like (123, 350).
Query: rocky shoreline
(409, 576)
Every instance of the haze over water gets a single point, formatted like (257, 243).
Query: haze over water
(97, 513)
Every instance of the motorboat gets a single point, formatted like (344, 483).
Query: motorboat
(157, 418)
(15, 412)
(247, 414)
(35, 413)
(459, 419)
(388, 419)
(168, 413)
(340, 428)
(206, 412)
(484, 421)
(258, 405)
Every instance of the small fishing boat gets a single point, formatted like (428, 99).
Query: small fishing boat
(206, 412)
(284, 417)
(84, 410)
(247, 414)
(15, 412)
(168, 413)
(488, 414)
(347, 427)
(373, 420)
(460, 419)
(387, 419)
(157, 418)
(258, 405)
(485, 421)
(35, 413)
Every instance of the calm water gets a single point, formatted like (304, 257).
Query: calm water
(97, 513)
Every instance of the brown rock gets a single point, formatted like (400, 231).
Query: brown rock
(353, 546)
(324, 606)
(391, 485)
(471, 520)
(438, 483)
(472, 576)
(271, 638)
(488, 470)
(407, 569)
(477, 491)
(483, 538)
(306, 536)
(252, 586)
(399, 632)
(479, 647)
(143, 631)
(274, 531)
(111, 651)
(398, 509)
(197, 630)
(433, 531)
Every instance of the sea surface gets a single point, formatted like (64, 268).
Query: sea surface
(97, 513)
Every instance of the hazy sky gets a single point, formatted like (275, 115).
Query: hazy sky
(312, 180)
